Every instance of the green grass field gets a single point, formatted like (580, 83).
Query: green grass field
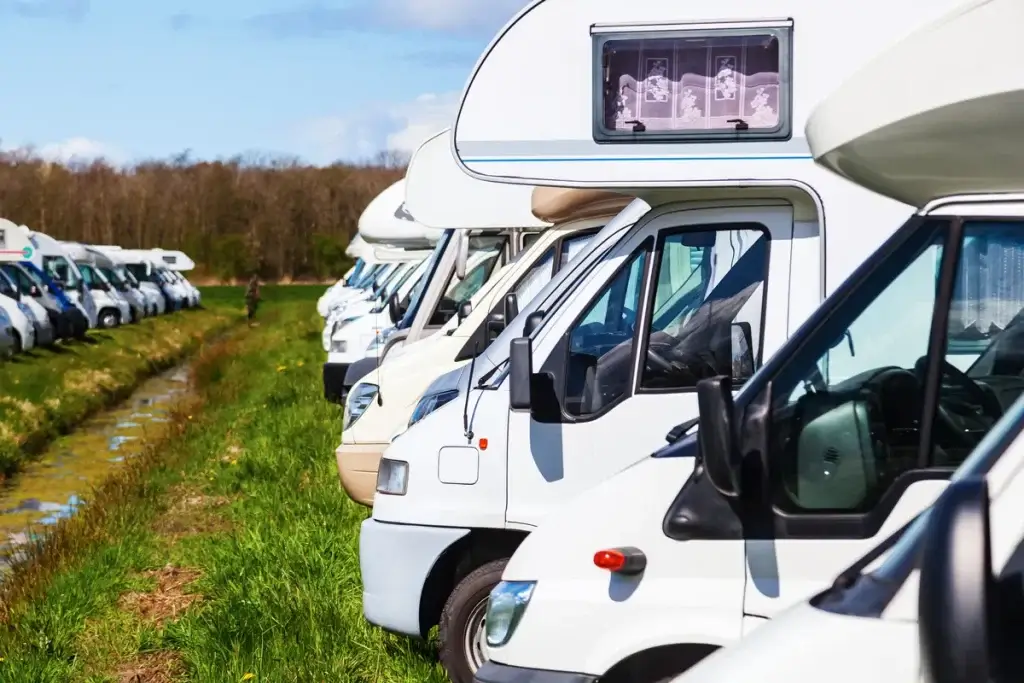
(228, 551)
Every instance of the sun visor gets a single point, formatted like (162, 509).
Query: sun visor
(440, 194)
(387, 221)
(953, 127)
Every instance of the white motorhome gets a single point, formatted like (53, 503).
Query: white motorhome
(62, 268)
(20, 314)
(152, 274)
(357, 250)
(178, 263)
(435, 186)
(865, 626)
(152, 298)
(112, 308)
(116, 275)
(744, 238)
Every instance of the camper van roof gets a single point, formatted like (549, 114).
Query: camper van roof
(358, 248)
(953, 128)
(439, 194)
(560, 204)
(386, 221)
(555, 97)
(138, 256)
(175, 260)
(99, 257)
(386, 254)
(15, 244)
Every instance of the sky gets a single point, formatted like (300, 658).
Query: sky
(324, 80)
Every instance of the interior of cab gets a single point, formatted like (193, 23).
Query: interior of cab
(484, 255)
(852, 423)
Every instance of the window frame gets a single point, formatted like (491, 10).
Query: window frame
(783, 32)
(648, 315)
(559, 356)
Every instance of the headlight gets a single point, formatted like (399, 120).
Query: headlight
(430, 403)
(505, 608)
(359, 399)
(339, 346)
(392, 477)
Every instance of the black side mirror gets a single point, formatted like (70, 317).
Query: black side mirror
(533, 321)
(393, 310)
(511, 307)
(34, 291)
(742, 352)
(520, 371)
(446, 308)
(495, 325)
(957, 586)
(717, 435)
(465, 308)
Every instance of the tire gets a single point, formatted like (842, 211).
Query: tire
(18, 346)
(462, 622)
(109, 319)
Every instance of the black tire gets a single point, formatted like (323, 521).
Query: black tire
(461, 615)
(18, 346)
(109, 319)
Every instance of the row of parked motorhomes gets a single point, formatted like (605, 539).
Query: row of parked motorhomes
(52, 290)
(784, 237)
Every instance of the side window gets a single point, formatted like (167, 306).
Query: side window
(572, 246)
(536, 278)
(601, 343)
(846, 425)
(529, 239)
(24, 284)
(87, 276)
(708, 306)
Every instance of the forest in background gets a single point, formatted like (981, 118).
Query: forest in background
(281, 218)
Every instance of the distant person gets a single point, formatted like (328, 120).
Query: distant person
(252, 297)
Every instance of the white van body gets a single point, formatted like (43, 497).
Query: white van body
(62, 268)
(459, 491)
(151, 296)
(116, 274)
(141, 264)
(112, 308)
(178, 262)
(19, 309)
(865, 627)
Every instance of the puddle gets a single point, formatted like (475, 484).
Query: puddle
(54, 486)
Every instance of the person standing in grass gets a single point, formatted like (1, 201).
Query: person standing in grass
(252, 297)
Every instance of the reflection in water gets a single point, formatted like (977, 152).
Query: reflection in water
(53, 487)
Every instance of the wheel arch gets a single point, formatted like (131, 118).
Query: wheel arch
(659, 663)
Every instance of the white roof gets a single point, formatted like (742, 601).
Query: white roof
(938, 114)
(175, 260)
(358, 248)
(386, 221)
(439, 194)
(386, 254)
(138, 256)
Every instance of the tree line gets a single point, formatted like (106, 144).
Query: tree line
(278, 217)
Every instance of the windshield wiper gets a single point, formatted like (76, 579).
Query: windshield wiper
(490, 373)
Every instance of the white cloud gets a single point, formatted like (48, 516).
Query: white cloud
(387, 127)
(80, 149)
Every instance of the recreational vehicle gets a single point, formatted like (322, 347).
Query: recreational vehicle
(743, 238)
(152, 299)
(177, 264)
(59, 265)
(112, 308)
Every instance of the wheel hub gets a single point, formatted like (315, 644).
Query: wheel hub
(475, 638)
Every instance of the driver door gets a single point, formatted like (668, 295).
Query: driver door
(858, 447)
(675, 287)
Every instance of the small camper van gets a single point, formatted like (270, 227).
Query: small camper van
(59, 265)
(743, 238)
(481, 314)
(112, 308)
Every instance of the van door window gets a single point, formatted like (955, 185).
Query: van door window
(484, 254)
(710, 283)
(538, 276)
(846, 426)
(601, 343)
(572, 246)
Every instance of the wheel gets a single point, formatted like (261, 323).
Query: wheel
(109, 319)
(462, 631)
(18, 346)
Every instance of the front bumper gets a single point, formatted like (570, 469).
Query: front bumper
(395, 561)
(357, 468)
(492, 672)
(334, 382)
(44, 333)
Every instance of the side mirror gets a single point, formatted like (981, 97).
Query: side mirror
(717, 436)
(511, 306)
(533, 321)
(465, 308)
(520, 370)
(461, 253)
(34, 291)
(393, 313)
(742, 352)
(957, 586)
(446, 308)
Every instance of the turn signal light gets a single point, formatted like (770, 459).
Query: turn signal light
(627, 560)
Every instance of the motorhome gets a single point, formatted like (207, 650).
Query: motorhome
(112, 308)
(44, 310)
(150, 272)
(153, 300)
(969, 232)
(58, 264)
(564, 221)
(178, 263)
(356, 250)
(109, 268)
(598, 373)
(17, 317)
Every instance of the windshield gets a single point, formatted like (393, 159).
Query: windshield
(60, 270)
(357, 271)
(368, 277)
(19, 277)
(138, 270)
(7, 287)
(416, 297)
(127, 276)
(484, 253)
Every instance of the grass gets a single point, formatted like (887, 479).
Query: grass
(227, 552)
(47, 392)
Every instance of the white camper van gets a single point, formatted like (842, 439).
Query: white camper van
(434, 185)
(359, 251)
(384, 222)
(864, 627)
(177, 264)
(140, 264)
(744, 238)
(112, 308)
(62, 268)
(153, 301)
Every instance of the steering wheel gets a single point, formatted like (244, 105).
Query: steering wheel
(989, 405)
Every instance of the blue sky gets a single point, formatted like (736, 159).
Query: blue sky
(324, 80)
